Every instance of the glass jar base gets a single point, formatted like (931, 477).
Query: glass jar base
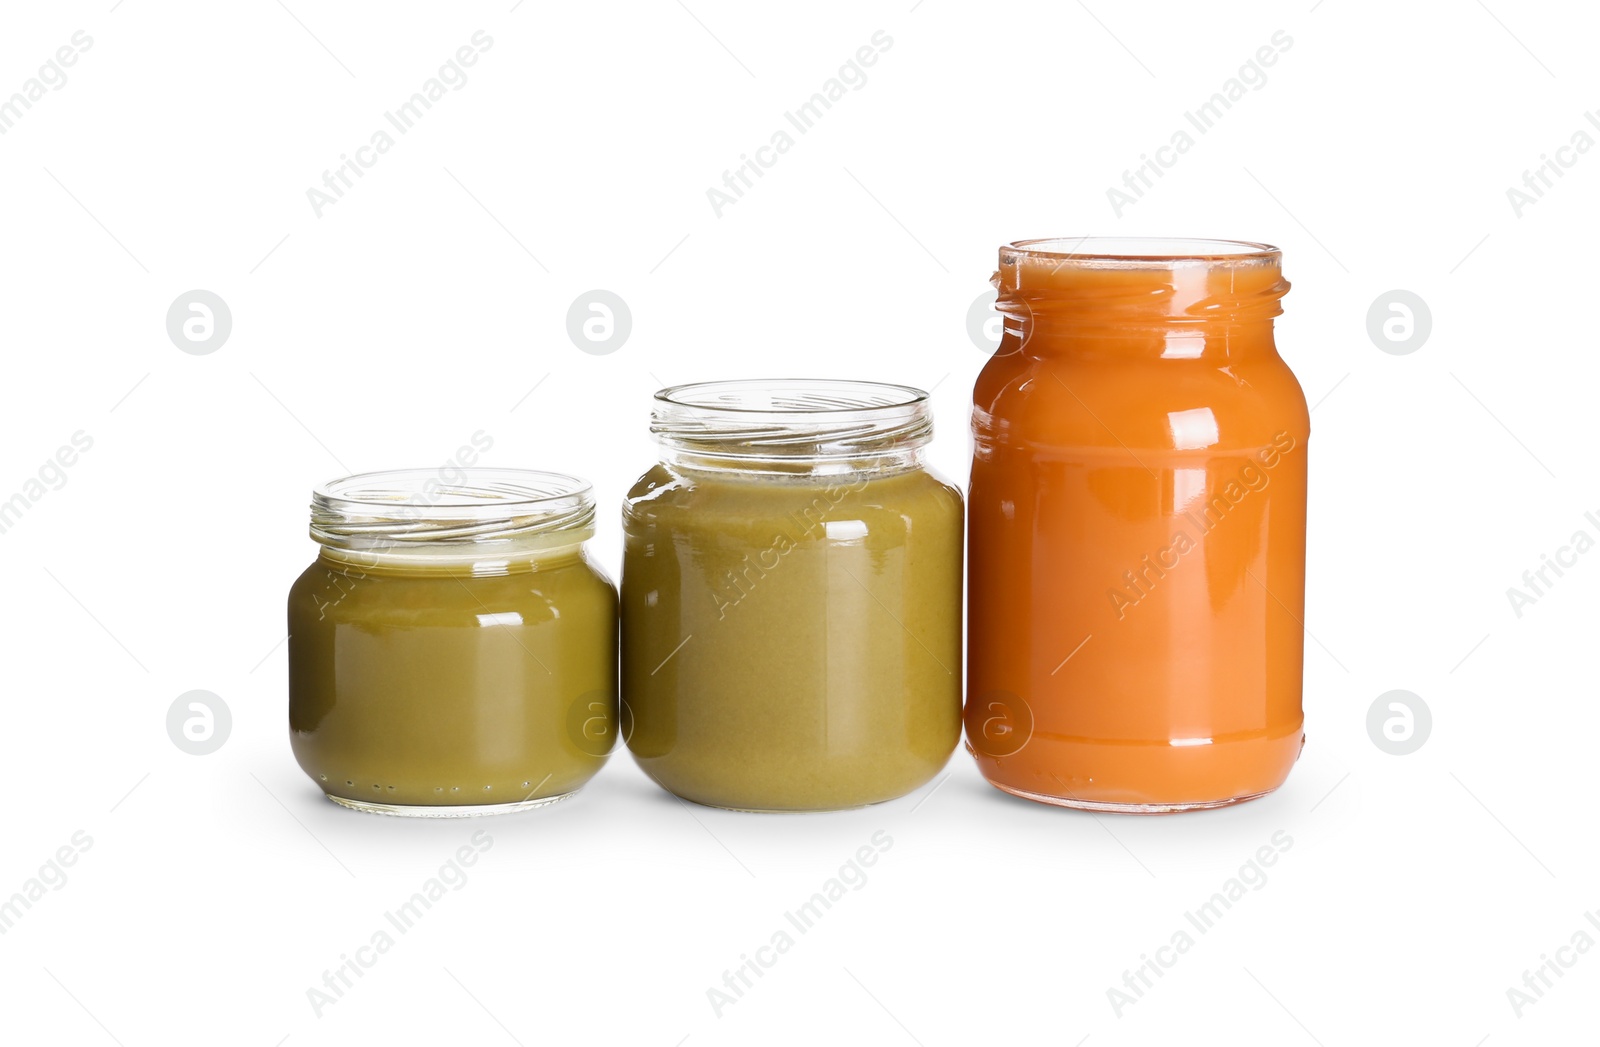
(1101, 807)
(783, 810)
(476, 810)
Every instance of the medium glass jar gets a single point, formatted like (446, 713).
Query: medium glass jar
(791, 597)
(452, 651)
(1138, 521)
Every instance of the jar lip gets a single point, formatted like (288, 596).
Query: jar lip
(787, 423)
(456, 492)
(382, 512)
(792, 398)
(1142, 251)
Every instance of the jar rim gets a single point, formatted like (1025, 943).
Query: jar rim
(1142, 251)
(792, 398)
(792, 423)
(466, 504)
(485, 489)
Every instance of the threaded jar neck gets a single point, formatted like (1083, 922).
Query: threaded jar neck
(422, 517)
(795, 427)
(1139, 291)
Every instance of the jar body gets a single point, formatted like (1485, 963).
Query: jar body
(791, 643)
(444, 691)
(1137, 546)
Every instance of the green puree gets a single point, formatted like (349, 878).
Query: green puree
(791, 644)
(435, 687)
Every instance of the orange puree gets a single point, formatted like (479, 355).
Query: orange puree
(1137, 536)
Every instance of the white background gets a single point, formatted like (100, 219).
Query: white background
(427, 303)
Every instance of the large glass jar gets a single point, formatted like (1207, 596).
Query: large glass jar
(452, 651)
(1138, 519)
(791, 597)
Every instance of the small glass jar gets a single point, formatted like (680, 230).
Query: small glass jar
(791, 597)
(452, 651)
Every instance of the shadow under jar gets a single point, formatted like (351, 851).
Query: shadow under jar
(791, 597)
(452, 651)
(1138, 529)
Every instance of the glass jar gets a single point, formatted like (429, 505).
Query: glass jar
(1138, 509)
(791, 597)
(452, 651)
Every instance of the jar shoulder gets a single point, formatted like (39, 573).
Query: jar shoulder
(1147, 404)
(664, 488)
(576, 590)
(687, 500)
